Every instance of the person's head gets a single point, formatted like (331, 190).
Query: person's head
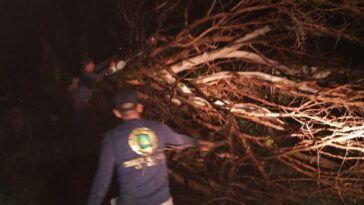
(126, 105)
(88, 65)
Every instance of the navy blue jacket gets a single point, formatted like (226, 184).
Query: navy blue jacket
(134, 149)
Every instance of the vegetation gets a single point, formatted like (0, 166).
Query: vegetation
(259, 79)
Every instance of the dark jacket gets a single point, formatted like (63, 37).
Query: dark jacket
(83, 93)
(134, 149)
(87, 80)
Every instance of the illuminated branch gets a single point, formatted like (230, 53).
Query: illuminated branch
(244, 74)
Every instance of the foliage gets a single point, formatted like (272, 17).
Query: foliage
(256, 78)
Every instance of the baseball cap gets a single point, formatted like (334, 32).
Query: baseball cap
(125, 99)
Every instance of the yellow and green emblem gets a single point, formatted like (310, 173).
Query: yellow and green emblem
(143, 141)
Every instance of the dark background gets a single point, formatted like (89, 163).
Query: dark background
(64, 25)
(71, 30)
(33, 92)
(41, 159)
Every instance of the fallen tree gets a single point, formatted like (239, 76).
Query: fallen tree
(253, 77)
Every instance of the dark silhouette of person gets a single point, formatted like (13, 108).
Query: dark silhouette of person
(90, 74)
(134, 149)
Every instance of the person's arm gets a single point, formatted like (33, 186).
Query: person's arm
(100, 70)
(103, 175)
(173, 138)
(96, 76)
(102, 66)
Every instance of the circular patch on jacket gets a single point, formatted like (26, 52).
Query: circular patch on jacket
(143, 141)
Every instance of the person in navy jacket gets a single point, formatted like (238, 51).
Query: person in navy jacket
(134, 150)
